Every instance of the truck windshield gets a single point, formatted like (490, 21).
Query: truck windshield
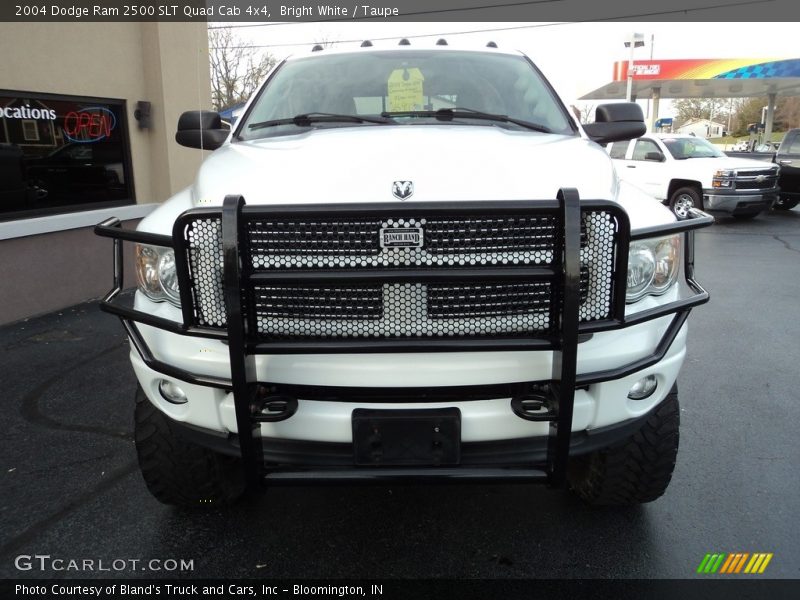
(682, 148)
(410, 87)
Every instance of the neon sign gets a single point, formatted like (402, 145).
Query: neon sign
(89, 124)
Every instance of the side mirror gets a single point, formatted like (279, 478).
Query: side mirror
(616, 122)
(654, 156)
(201, 129)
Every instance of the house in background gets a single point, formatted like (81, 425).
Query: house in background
(702, 128)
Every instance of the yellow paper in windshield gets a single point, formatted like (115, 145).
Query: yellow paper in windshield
(405, 90)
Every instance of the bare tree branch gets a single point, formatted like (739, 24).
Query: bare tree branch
(236, 71)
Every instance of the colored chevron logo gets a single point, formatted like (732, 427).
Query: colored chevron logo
(734, 563)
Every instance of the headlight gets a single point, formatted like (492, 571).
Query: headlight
(156, 273)
(641, 269)
(653, 267)
(668, 253)
(723, 178)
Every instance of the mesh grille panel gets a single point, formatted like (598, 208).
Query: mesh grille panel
(481, 240)
(404, 315)
(597, 257)
(395, 309)
(204, 249)
(450, 301)
(319, 302)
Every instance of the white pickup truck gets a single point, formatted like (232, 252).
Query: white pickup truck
(685, 172)
(404, 264)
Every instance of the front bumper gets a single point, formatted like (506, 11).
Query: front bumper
(280, 453)
(739, 203)
(329, 387)
(324, 412)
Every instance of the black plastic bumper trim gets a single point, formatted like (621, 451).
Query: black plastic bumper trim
(400, 475)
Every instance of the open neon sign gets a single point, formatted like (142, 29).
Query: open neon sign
(89, 125)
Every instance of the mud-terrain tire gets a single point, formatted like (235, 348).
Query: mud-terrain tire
(636, 470)
(178, 472)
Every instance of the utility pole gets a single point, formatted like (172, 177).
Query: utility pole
(652, 45)
(636, 40)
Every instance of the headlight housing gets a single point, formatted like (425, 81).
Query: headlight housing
(723, 178)
(653, 267)
(156, 273)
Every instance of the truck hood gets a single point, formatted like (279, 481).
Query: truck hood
(725, 162)
(444, 162)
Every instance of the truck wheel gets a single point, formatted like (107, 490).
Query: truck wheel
(180, 473)
(636, 470)
(682, 200)
(784, 203)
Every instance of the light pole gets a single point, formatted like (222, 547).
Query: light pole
(635, 40)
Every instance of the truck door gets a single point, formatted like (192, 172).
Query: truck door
(643, 170)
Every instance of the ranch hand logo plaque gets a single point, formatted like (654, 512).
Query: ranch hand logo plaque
(401, 234)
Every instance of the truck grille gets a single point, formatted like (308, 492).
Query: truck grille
(344, 304)
(756, 179)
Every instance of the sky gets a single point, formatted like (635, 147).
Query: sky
(576, 57)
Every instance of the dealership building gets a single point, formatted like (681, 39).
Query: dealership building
(88, 113)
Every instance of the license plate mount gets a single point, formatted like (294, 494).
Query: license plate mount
(407, 437)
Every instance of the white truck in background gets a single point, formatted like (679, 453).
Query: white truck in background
(686, 172)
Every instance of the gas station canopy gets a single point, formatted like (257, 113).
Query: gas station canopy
(704, 78)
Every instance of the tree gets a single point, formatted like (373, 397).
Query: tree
(746, 112)
(584, 111)
(700, 108)
(787, 113)
(236, 70)
(750, 110)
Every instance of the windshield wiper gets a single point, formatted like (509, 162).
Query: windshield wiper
(306, 119)
(448, 114)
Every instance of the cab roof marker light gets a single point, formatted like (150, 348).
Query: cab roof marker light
(441, 42)
(317, 48)
(404, 42)
(491, 45)
(366, 44)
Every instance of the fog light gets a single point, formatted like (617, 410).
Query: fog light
(643, 388)
(171, 392)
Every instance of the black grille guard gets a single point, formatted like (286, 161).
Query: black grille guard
(563, 340)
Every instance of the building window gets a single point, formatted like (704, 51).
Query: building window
(62, 154)
(30, 131)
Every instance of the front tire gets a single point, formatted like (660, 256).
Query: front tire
(178, 472)
(683, 200)
(636, 470)
(785, 203)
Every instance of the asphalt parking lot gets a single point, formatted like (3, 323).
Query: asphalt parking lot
(70, 486)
